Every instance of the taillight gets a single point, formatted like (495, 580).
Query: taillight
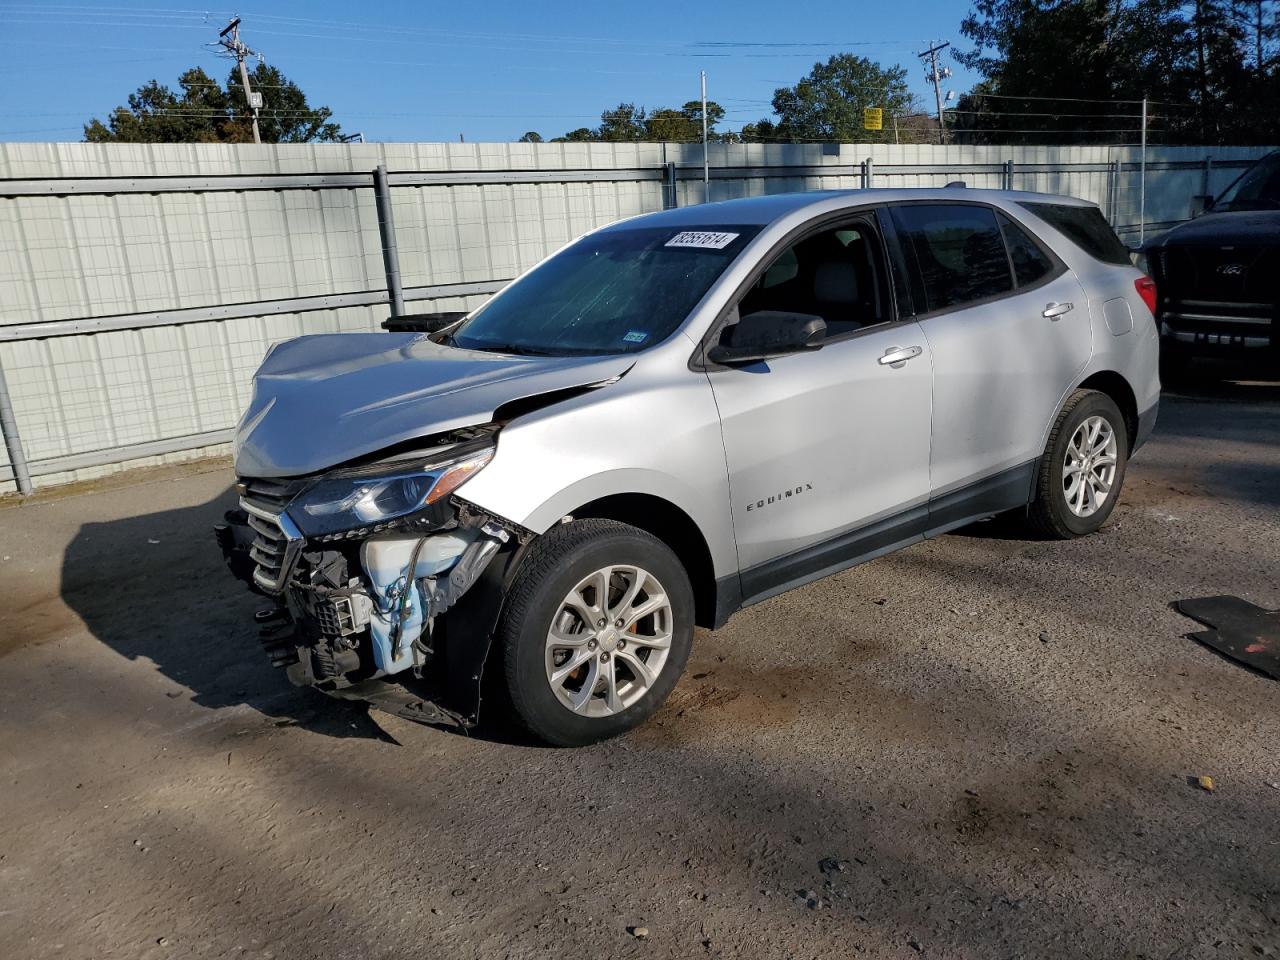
(1146, 288)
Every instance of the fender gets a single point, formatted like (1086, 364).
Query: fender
(642, 435)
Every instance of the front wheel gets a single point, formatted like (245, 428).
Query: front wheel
(1082, 469)
(597, 630)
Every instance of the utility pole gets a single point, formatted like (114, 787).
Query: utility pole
(936, 78)
(706, 163)
(231, 42)
(893, 114)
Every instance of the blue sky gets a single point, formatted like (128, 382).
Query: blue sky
(400, 70)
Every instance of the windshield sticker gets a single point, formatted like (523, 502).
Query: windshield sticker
(702, 240)
(635, 336)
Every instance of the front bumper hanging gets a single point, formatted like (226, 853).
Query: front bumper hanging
(350, 620)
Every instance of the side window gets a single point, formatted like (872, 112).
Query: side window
(1085, 226)
(785, 268)
(837, 274)
(1030, 263)
(958, 251)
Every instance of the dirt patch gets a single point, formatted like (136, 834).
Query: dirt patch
(979, 747)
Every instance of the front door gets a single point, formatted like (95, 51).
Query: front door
(828, 451)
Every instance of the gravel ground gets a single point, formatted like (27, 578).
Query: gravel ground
(982, 747)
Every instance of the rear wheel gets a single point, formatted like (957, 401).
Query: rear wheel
(597, 630)
(1082, 469)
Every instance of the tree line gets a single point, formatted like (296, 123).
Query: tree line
(1210, 67)
(1052, 72)
(827, 104)
(204, 111)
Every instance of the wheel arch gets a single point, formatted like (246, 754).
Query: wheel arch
(674, 527)
(1115, 386)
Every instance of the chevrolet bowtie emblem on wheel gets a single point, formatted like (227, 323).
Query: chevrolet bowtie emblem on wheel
(1231, 269)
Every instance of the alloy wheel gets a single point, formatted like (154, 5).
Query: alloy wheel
(609, 640)
(1089, 468)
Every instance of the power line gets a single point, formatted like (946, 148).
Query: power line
(1010, 96)
(1052, 113)
(695, 48)
(346, 26)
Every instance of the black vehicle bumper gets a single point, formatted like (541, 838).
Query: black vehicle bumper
(1243, 339)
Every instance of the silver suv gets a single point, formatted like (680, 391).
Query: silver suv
(671, 418)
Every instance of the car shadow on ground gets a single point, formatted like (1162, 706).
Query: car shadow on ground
(154, 587)
(1191, 411)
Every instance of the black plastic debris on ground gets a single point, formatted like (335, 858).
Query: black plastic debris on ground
(1246, 633)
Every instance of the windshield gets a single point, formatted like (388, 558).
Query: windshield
(1257, 189)
(619, 291)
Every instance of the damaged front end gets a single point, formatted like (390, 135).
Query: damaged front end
(386, 586)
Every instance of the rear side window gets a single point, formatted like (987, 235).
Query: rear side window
(958, 250)
(1030, 263)
(1086, 227)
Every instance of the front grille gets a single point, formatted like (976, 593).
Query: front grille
(277, 541)
(1227, 275)
(1223, 296)
(271, 496)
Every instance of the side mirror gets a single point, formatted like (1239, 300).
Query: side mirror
(421, 322)
(768, 333)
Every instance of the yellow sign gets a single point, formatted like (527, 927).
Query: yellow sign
(872, 118)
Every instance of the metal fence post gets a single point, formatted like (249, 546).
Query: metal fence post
(12, 441)
(1008, 174)
(387, 231)
(1142, 181)
(1205, 180)
(670, 198)
(868, 173)
(1113, 198)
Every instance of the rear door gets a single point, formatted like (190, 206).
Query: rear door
(1008, 327)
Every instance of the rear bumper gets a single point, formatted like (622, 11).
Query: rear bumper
(1221, 336)
(1146, 424)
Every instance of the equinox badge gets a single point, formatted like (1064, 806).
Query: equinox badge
(783, 495)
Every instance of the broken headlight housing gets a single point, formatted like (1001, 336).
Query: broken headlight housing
(360, 501)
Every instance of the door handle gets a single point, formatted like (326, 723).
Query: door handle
(1054, 310)
(898, 356)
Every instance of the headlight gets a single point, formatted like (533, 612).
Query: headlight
(365, 499)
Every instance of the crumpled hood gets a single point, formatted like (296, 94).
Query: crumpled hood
(325, 399)
(1245, 227)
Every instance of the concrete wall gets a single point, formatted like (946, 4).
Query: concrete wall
(173, 390)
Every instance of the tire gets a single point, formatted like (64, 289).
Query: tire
(567, 562)
(1052, 513)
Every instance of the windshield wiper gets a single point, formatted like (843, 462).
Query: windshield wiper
(519, 350)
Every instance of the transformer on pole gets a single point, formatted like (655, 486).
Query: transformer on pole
(936, 76)
(231, 42)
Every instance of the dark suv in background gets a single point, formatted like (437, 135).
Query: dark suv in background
(1218, 277)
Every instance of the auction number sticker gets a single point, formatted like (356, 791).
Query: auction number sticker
(702, 240)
